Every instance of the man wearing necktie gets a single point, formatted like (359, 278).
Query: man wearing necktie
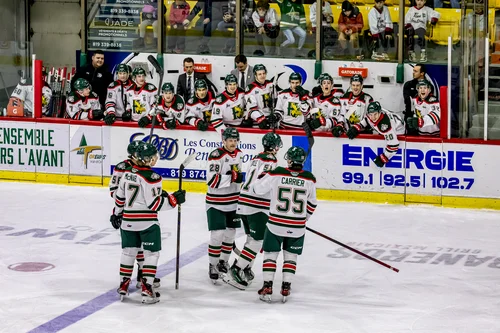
(243, 71)
(185, 82)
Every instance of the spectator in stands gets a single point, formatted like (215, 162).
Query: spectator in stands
(416, 20)
(293, 21)
(185, 82)
(330, 36)
(228, 25)
(179, 12)
(211, 16)
(149, 17)
(265, 20)
(410, 91)
(243, 71)
(350, 26)
(381, 29)
(97, 74)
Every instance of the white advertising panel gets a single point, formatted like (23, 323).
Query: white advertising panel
(86, 150)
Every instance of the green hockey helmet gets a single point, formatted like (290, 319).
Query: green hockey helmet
(325, 77)
(374, 107)
(230, 78)
(423, 83)
(259, 67)
(138, 71)
(167, 87)
(123, 68)
(296, 155)
(356, 78)
(271, 141)
(231, 133)
(295, 76)
(201, 84)
(146, 152)
(81, 84)
(133, 146)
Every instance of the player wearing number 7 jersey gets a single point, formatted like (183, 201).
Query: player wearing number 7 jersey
(292, 193)
(253, 210)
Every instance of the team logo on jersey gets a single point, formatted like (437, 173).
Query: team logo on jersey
(207, 115)
(353, 118)
(86, 150)
(71, 99)
(294, 110)
(179, 106)
(155, 176)
(237, 112)
(138, 107)
(384, 127)
(266, 98)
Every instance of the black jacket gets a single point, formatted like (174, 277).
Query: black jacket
(100, 78)
(182, 87)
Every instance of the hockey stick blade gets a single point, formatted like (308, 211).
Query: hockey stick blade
(155, 64)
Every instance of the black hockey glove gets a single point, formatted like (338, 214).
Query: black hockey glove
(415, 123)
(275, 118)
(144, 121)
(247, 122)
(353, 132)
(236, 177)
(127, 116)
(337, 131)
(109, 119)
(264, 124)
(202, 125)
(96, 114)
(316, 123)
(381, 160)
(116, 221)
(303, 94)
(176, 198)
(169, 124)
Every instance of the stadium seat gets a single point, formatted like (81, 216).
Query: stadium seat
(364, 10)
(449, 23)
(394, 12)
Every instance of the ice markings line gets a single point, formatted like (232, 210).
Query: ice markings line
(100, 302)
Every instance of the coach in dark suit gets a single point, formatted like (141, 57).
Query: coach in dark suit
(243, 71)
(185, 83)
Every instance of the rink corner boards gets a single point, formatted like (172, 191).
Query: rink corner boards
(322, 194)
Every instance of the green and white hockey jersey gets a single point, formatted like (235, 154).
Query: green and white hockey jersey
(292, 109)
(354, 107)
(249, 203)
(228, 110)
(139, 198)
(292, 14)
(430, 112)
(118, 171)
(259, 99)
(293, 200)
(141, 100)
(223, 194)
(199, 109)
(329, 108)
(78, 107)
(176, 110)
(116, 98)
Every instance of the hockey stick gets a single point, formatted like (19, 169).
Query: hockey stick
(188, 160)
(353, 249)
(274, 99)
(159, 70)
(310, 137)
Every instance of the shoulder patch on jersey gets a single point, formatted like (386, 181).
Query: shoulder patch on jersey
(121, 166)
(113, 84)
(191, 101)
(150, 87)
(216, 154)
(433, 99)
(155, 176)
(219, 99)
(94, 94)
(71, 98)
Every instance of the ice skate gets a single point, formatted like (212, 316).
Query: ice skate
(149, 295)
(123, 289)
(266, 291)
(213, 273)
(412, 56)
(223, 268)
(249, 275)
(423, 56)
(376, 56)
(285, 290)
(236, 278)
(156, 283)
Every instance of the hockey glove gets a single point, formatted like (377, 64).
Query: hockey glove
(109, 119)
(96, 114)
(303, 94)
(264, 124)
(415, 123)
(169, 124)
(202, 125)
(247, 122)
(275, 117)
(144, 121)
(381, 160)
(127, 116)
(236, 177)
(317, 122)
(116, 221)
(337, 131)
(353, 132)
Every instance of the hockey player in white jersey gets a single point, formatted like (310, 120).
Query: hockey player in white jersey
(416, 20)
(139, 198)
(116, 98)
(199, 107)
(355, 102)
(224, 180)
(293, 104)
(325, 113)
(253, 210)
(427, 111)
(83, 103)
(21, 101)
(384, 123)
(170, 110)
(141, 96)
(259, 97)
(292, 192)
(229, 107)
(382, 30)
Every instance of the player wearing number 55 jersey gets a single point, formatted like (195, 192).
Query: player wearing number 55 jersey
(139, 198)
(224, 179)
(385, 123)
(293, 200)
(253, 210)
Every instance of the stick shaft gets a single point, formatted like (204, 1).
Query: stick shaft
(181, 169)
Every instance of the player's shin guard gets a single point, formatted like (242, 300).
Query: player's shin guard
(249, 252)
(140, 262)
(269, 265)
(227, 243)
(214, 250)
(149, 295)
(289, 267)
(126, 269)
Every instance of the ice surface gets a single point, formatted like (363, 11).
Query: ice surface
(449, 279)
